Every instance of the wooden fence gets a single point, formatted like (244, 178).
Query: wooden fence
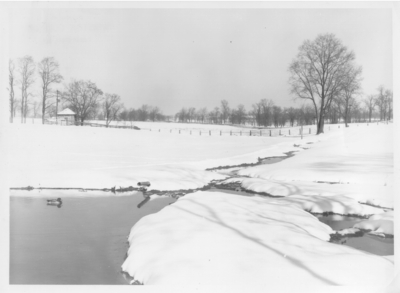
(271, 132)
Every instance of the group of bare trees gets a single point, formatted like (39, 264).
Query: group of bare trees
(324, 73)
(144, 113)
(22, 74)
(264, 113)
(82, 97)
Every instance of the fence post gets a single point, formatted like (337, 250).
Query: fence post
(190, 132)
(279, 132)
(250, 132)
(260, 133)
(289, 131)
(179, 131)
(220, 132)
(231, 132)
(309, 130)
(210, 132)
(158, 130)
(240, 133)
(270, 132)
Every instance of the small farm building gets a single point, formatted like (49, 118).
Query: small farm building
(66, 117)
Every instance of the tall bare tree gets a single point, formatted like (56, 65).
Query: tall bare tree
(11, 81)
(27, 71)
(49, 74)
(318, 72)
(370, 103)
(83, 97)
(111, 107)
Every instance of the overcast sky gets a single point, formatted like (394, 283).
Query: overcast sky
(174, 58)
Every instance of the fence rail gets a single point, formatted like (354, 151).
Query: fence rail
(271, 132)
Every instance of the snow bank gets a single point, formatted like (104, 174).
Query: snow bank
(363, 170)
(382, 223)
(337, 204)
(376, 195)
(379, 224)
(348, 156)
(216, 240)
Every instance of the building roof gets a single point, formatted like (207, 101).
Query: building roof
(66, 112)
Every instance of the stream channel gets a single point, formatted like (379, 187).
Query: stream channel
(84, 240)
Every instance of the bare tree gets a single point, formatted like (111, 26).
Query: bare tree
(111, 107)
(83, 98)
(291, 114)
(35, 108)
(370, 103)
(48, 71)
(154, 113)
(389, 101)
(27, 71)
(318, 72)
(256, 113)
(202, 114)
(266, 112)
(381, 102)
(241, 114)
(225, 110)
(143, 112)
(11, 81)
(215, 115)
(350, 88)
(191, 114)
(276, 114)
(181, 116)
(16, 106)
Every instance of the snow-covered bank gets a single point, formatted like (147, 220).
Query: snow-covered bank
(211, 238)
(356, 155)
(359, 168)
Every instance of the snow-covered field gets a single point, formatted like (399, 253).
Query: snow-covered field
(91, 157)
(219, 239)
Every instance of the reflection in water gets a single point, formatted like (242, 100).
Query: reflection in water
(85, 242)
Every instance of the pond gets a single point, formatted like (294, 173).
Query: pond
(369, 243)
(84, 241)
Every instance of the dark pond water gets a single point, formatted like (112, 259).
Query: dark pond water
(82, 242)
(369, 243)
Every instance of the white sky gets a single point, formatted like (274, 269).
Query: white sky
(174, 58)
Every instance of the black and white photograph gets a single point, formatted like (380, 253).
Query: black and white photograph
(199, 146)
